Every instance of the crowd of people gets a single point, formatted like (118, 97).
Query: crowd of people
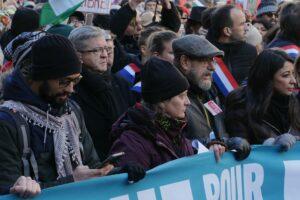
(142, 80)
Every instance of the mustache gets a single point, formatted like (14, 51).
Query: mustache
(68, 94)
(208, 73)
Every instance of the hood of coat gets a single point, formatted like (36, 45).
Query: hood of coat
(17, 89)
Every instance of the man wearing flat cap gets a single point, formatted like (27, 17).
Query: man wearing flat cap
(194, 58)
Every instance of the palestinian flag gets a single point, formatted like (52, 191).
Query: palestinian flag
(197, 3)
(56, 11)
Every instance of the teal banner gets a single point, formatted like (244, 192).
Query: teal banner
(267, 174)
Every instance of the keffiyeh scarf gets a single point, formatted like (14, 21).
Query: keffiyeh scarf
(65, 129)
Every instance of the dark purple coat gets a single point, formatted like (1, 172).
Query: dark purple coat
(145, 142)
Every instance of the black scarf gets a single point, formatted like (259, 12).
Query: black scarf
(99, 85)
(278, 113)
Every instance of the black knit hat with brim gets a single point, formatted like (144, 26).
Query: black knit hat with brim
(161, 81)
(196, 13)
(53, 57)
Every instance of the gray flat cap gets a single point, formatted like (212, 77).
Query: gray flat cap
(196, 47)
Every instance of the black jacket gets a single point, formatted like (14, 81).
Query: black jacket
(239, 57)
(275, 122)
(103, 99)
(11, 167)
(198, 126)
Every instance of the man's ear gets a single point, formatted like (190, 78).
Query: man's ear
(161, 106)
(79, 56)
(184, 63)
(34, 85)
(227, 31)
(143, 50)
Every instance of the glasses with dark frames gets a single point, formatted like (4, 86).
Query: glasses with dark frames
(66, 82)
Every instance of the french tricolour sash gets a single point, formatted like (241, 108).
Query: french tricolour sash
(291, 50)
(128, 72)
(223, 78)
(137, 87)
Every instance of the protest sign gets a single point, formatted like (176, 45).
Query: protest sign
(266, 174)
(96, 6)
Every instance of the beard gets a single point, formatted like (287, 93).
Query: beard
(53, 99)
(199, 80)
(204, 85)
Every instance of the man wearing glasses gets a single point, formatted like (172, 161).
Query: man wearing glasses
(102, 96)
(43, 140)
(267, 10)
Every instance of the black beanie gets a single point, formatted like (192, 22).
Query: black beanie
(25, 20)
(161, 81)
(54, 56)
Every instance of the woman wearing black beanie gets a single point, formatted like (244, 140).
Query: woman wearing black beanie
(151, 133)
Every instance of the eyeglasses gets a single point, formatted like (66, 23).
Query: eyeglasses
(109, 49)
(96, 50)
(270, 14)
(206, 60)
(66, 82)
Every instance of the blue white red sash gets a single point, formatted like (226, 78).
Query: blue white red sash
(223, 78)
(291, 50)
(137, 87)
(128, 72)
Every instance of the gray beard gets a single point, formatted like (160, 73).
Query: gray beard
(204, 85)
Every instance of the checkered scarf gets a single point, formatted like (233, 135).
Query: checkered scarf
(65, 129)
(24, 42)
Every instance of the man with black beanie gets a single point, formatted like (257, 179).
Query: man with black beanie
(52, 122)
(52, 144)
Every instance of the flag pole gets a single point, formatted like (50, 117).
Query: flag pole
(1, 4)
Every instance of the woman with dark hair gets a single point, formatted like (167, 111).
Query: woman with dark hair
(259, 112)
(297, 71)
(296, 101)
(151, 133)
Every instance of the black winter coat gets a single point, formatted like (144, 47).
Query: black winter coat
(103, 99)
(275, 122)
(239, 57)
(198, 126)
(11, 167)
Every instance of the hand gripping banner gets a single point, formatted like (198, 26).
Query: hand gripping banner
(266, 174)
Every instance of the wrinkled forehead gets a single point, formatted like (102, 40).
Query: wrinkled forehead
(95, 42)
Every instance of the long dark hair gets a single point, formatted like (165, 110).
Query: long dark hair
(289, 22)
(295, 119)
(259, 90)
